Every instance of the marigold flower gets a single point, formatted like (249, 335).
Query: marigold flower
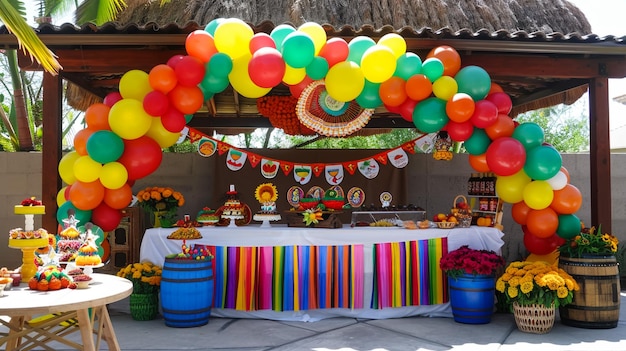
(527, 287)
(512, 292)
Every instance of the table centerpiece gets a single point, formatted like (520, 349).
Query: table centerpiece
(162, 204)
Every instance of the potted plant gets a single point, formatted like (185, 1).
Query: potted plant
(146, 279)
(471, 279)
(591, 257)
(535, 290)
(162, 203)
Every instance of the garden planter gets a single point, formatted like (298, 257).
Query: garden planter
(144, 307)
(535, 318)
(472, 298)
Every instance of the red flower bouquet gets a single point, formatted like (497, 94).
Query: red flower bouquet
(469, 261)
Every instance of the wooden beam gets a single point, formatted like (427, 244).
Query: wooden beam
(552, 89)
(600, 153)
(51, 154)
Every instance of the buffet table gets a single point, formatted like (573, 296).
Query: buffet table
(364, 272)
(87, 306)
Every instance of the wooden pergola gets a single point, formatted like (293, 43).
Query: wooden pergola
(536, 70)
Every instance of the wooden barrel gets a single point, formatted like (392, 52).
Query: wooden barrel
(596, 305)
(186, 292)
(472, 298)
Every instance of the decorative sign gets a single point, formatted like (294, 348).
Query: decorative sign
(334, 174)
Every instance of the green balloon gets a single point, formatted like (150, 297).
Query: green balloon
(432, 68)
(369, 97)
(213, 84)
(569, 226)
(318, 68)
(279, 33)
(407, 65)
(104, 146)
(81, 215)
(529, 134)
(543, 162)
(212, 26)
(357, 48)
(429, 115)
(298, 49)
(189, 117)
(478, 143)
(220, 65)
(474, 81)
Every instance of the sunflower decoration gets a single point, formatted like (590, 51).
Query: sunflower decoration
(266, 193)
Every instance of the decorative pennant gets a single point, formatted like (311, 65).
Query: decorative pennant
(195, 135)
(235, 159)
(183, 135)
(269, 168)
(398, 158)
(286, 167)
(409, 147)
(369, 168)
(426, 143)
(381, 158)
(334, 174)
(222, 148)
(317, 168)
(206, 147)
(253, 159)
(350, 166)
(302, 173)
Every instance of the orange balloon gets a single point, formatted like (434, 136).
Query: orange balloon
(495, 88)
(162, 78)
(479, 163)
(449, 57)
(393, 91)
(418, 87)
(520, 211)
(97, 117)
(86, 196)
(542, 223)
(566, 172)
(80, 140)
(460, 107)
(186, 99)
(118, 198)
(503, 127)
(567, 200)
(200, 45)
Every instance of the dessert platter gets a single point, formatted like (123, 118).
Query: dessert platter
(234, 212)
(28, 239)
(207, 217)
(266, 194)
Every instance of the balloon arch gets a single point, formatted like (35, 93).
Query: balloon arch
(125, 133)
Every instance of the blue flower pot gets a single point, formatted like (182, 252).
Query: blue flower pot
(472, 298)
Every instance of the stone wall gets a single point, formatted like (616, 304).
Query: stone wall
(431, 184)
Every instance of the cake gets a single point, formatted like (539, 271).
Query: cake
(266, 194)
(20, 238)
(233, 208)
(88, 253)
(207, 216)
(30, 206)
(69, 239)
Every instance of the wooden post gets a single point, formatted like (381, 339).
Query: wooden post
(51, 154)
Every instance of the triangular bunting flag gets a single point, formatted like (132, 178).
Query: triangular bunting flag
(254, 159)
(350, 166)
(194, 135)
(317, 168)
(409, 147)
(382, 158)
(286, 167)
(222, 148)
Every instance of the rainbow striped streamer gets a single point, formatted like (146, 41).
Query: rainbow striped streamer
(264, 287)
(356, 276)
(408, 273)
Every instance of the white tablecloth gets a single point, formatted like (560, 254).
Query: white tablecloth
(155, 246)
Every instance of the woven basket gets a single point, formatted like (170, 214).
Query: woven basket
(536, 319)
(144, 307)
(463, 216)
(445, 225)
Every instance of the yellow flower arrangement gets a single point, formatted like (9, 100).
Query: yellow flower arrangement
(527, 283)
(146, 277)
(265, 193)
(590, 242)
(161, 199)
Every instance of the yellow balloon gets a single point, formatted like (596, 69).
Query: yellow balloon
(293, 76)
(445, 87)
(135, 84)
(61, 196)
(510, 188)
(538, 194)
(232, 37)
(345, 81)
(128, 119)
(378, 63)
(113, 175)
(162, 136)
(241, 82)
(395, 42)
(316, 32)
(552, 257)
(66, 167)
(86, 169)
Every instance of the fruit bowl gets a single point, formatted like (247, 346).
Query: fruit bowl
(334, 204)
(445, 225)
(307, 203)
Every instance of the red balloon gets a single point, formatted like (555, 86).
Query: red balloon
(187, 100)
(406, 109)
(261, 40)
(460, 131)
(141, 157)
(392, 91)
(66, 193)
(506, 156)
(155, 103)
(542, 223)
(334, 51)
(106, 217)
(297, 89)
(173, 120)
(112, 98)
(502, 101)
(118, 198)
(266, 68)
(86, 196)
(567, 200)
(520, 211)
(503, 127)
(485, 114)
(495, 88)
(540, 246)
(479, 162)
(174, 60)
(189, 71)
(393, 109)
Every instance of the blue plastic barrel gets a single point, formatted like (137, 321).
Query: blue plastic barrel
(472, 298)
(186, 292)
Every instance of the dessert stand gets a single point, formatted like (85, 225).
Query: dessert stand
(265, 219)
(232, 218)
(28, 247)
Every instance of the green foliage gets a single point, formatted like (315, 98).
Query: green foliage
(379, 141)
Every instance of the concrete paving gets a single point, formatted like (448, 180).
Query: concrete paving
(348, 334)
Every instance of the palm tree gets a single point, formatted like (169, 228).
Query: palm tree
(12, 14)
